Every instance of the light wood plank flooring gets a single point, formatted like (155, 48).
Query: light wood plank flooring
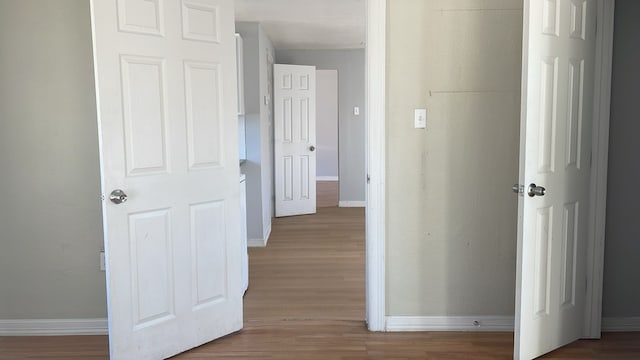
(312, 268)
(327, 193)
(306, 301)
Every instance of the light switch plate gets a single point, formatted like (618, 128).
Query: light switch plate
(420, 118)
(356, 110)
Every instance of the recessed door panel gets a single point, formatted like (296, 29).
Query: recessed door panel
(200, 21)
(305, 184)
(209, 253)
(152, 267)
(578, 19)
(144, 107)
(287, 178)
(304, 120)
(569, 253)
(544, 236)
(141, 16)
(548, 111)
(287, 125)
(576, 92)
(203, 101)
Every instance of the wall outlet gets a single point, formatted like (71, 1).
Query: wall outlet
(103, 266)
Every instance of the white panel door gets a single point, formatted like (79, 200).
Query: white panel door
(165, 73)
(295, 139)
(555, 153)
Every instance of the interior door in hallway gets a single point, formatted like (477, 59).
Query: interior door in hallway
(557, 113)
(295, 139)
(166, 85)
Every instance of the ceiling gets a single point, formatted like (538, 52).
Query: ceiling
(308, 24)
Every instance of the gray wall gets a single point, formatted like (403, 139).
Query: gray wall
(351, 128)
(327, 123)
(258, 129)
(621, 297)
(50, 217)
(451, 249)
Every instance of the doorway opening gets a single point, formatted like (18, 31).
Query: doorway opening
(311, 266)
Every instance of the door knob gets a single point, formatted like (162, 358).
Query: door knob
(535, 190)
(118, 196)
(312, 148)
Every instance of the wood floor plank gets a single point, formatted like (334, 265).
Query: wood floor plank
(327, 193)
(312, 268)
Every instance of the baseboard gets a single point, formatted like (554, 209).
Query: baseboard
(618, 324)
(327, 178)
(260, 242)
(449, 323)
(53, 327)
(352, 204)
(267, 234)
(256, 243)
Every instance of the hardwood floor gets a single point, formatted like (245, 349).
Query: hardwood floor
(306, 301)
(327, 193)
(312, 268)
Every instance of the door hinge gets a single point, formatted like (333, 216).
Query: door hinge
(368, 178)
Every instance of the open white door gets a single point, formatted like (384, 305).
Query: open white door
(165, 74)
(295, 136)
(555, 154)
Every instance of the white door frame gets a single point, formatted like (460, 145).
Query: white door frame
(600, 156)
(375, 159)
(376, 136)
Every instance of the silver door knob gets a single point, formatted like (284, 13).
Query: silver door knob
(312, 148)
(535, 190)
(118, 196)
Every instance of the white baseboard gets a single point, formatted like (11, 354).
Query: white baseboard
(260, 242)
(352, 204)
(53, 327)
(327, 178)
(267, 234)
(618, 324)
(256, 243)
(449, 323)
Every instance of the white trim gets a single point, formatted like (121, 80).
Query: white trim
(449, 323)
(352, 204)
(327, 178)
(613, 324)
(267, 233)
(261, 242)
(257, 242)
(53, 327)
(375, 142)
(600, 155)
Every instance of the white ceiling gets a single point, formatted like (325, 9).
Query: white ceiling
(308, 24)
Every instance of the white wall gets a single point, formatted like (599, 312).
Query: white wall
(621, 295)
(327, 124)
(50, 216)
(259, 130)
(451, 215)
(351, 128)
